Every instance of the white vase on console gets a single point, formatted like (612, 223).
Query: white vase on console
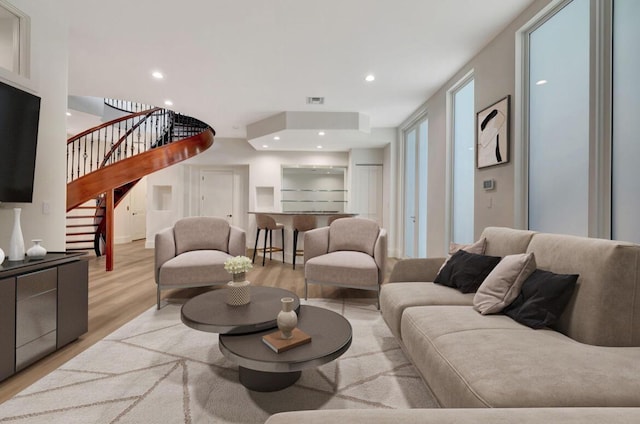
(1, 256)
(16, 245)
(37, 251)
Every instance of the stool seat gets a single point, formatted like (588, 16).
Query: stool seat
(267, 223)
(301, 223)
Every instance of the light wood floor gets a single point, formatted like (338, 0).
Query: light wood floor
(117, 297)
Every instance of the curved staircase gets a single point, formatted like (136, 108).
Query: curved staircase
(105, 162)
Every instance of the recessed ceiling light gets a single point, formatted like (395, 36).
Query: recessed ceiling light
(168, 103)
(319, 147)
(265, 146)
(276, 138)
(541, 82)
(370, 78)
(157, 75)
(68, 113)
(321, 133)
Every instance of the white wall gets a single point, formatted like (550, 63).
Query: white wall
(494, 78)
(48, 80)
(265, 169)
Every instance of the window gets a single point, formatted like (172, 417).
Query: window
(14, 26)
(625, 195)
(415, 196)
(462, 161)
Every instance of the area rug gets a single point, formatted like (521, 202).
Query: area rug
(156, 370)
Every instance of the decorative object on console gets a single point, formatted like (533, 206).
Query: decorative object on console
(37, 251)
(1, 256)
(239, 289)
(466, 271)
(503, 284)
(493, 134)
(287, 318)
(16, 245)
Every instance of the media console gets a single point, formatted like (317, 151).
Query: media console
(43, 306)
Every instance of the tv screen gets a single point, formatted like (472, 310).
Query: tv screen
(19, 116)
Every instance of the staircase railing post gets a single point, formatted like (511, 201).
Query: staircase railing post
(109, 215)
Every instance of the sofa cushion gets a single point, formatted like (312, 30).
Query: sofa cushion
(201, 233)
(345, 267)
(396, 297)
(461, 416)
(354, 234)
(474, 360)
(543, 297)
(604, 307)
(504, 283)
(198, 267)
(503, 241)
(466, 271)
(477, 248)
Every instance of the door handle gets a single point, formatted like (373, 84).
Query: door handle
(229, 216)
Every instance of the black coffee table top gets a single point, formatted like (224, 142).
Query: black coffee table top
(330, 338)
(210, 312)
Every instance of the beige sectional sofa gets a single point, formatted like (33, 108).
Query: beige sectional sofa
(591, 357)
(585, 369)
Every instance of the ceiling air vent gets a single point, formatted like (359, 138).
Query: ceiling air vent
(315, 100)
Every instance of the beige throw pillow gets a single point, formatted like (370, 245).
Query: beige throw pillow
(503, 284)
(478, 248)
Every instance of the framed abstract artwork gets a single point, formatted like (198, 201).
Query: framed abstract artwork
(492, 134)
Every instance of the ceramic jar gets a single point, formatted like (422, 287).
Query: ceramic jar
(36, 251)
(287, 318)
(1, 256)
(238, 290)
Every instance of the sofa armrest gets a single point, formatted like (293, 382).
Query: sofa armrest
(316, 243)
(237, 241)
(165, 249)
(380, 254)
(419, 269)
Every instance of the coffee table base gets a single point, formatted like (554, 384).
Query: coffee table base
(261, 381)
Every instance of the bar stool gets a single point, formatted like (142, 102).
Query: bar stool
(301, 223)
(338, 216)
(267, 223)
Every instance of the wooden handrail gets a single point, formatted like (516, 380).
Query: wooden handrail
(124, 137)
(112, 122)
(122, 172)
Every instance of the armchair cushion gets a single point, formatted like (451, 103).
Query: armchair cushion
(201, 233)
(197, 267)
(345, 267)
(355, 234)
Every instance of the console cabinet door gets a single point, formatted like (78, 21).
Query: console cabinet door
(7, 327)
(73, 301)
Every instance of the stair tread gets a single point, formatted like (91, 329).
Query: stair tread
(79, 241)
(84, 216)
(84, 233)
(81, 225)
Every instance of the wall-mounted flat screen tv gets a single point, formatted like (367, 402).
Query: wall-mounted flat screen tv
(19, 116)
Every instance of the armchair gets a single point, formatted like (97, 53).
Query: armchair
(192, 252)
(351, 252)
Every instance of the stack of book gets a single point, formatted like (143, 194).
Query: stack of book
(278, 344)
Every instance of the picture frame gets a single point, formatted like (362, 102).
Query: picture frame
(492, 134)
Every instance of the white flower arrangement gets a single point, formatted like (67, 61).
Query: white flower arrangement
(237, 265)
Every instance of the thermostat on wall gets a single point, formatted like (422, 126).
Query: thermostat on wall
(489, 184)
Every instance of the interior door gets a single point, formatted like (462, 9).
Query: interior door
(138, 210)
(216, 194)
(368, 193)
(415, 186)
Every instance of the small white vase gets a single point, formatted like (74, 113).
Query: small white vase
(36, 251)
(16, 244)
(238, 292)
(1, 256)
(287, 318)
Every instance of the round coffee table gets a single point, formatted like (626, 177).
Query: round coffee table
(263, 370)
(209, 311)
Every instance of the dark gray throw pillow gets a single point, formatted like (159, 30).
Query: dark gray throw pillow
(543, 297)
(466, 271)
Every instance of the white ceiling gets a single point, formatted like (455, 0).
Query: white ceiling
(231, 63)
